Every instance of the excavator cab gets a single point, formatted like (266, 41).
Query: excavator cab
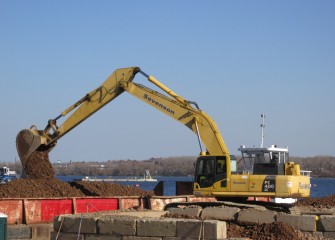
(211, 171)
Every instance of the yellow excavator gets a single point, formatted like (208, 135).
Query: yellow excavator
(216, 173)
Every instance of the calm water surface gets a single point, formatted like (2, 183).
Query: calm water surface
(320, 186)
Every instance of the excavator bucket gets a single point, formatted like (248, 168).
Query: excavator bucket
(27, 142)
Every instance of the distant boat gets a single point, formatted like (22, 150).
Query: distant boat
(146, 178)
(7, 175)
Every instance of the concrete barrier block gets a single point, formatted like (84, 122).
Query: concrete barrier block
(58, 221)
(178, 238)
(214, 229)
(142, 214)
(101, 237)
(191, 212)
(75, 223)
(307, 210)
(220, 213)
(238, 239)
(140, 238)
(41, 231)
(300, 222)
(297, 210)
(208, 229)
(66, 236)
(256, 216)
(117, 226)
(311, 235)
(20, 231)
(327, 223)
(189, 228)
(329, 235)
(149, 227)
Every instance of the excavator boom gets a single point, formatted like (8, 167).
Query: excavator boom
(31, 140)
(175, 106)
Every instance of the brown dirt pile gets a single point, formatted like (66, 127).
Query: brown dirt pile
(108, 189)
(276, 230)
(322, 202)
(38, 166)
(53, 188)
(38, 188)
(40, 183)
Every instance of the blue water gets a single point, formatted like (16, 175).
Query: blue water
(321, 187)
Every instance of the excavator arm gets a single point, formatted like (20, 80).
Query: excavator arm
(182, 111)
(31, 140)
(173, 105)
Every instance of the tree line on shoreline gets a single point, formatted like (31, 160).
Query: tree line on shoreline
(321, 166)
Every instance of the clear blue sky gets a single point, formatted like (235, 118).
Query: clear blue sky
(236, 59)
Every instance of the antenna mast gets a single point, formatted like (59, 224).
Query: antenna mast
(262, 126)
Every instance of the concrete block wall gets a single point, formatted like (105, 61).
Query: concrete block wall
(132, 228)
(23, 231)
(256, 216)
(223, 213)
(317, 226)
(305, 223)
(326, 224)
(150, 227)
(145, 225)
(120, 227)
